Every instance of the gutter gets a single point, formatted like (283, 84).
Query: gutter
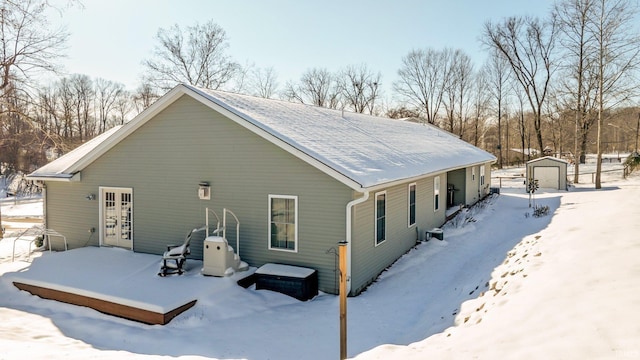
(386, 185)
(350, 206)
(56, 177)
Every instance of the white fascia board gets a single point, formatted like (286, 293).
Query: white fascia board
(57, 177)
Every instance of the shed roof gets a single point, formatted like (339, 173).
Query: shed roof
(551, 158)
(362, 151)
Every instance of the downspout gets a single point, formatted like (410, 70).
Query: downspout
(350, 205)
(44, 205)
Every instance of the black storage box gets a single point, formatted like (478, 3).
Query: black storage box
(298, 282)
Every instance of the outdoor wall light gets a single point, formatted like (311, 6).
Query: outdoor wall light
(204, 190)
(90, 197)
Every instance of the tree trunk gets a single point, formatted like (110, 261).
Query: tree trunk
(500, 134)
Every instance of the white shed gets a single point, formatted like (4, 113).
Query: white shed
(550, 172)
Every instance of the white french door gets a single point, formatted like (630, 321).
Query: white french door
(116, 217)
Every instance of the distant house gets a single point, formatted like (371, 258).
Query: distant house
(300, 178)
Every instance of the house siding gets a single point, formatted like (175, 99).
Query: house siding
(369, 260)
(187, 143)
(71, 214)
(473, 185)
(485, 189)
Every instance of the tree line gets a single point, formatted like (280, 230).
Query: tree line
(562, 84)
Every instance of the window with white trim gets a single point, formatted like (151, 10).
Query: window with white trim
(473, 173)
(482, 175)
(381, 217)
(436, 193)
(412, 204)
(283, 222)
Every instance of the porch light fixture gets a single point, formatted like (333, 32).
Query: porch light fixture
(90, 197)
(204, 190)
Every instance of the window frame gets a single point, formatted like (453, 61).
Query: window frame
(375, 218)
(482, 172)
(473, 173)
(436, 193)
(411, 207)
(270, 222)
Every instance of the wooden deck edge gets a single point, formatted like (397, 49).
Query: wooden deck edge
(177, 311)
(106, 307)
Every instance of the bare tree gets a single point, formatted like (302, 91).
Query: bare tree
(480, 106)
(527, 44)
(15, 133)
(578, 43)
(195, 55)
(359, 88)
(123, 107)
(29, 46)
(263, 82)
(457, 91)
(423, 77)
(522, 124)
(106, 94)
(48, 104)
(618, 48)
(144, 96)
(317, 87)
(66, 97)
(497, 72)
(555, 115)
(83, 97)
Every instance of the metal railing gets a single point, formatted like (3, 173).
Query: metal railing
(32, 234)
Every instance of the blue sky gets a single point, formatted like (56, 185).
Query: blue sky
(109, 39)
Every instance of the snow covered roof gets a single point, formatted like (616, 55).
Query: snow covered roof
(362, 151)
(548, 158)
(60, 168)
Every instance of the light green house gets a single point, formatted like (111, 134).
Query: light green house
(300, 178)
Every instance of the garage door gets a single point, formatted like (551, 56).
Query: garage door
(547, 176)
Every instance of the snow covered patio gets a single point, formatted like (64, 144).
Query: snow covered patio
(117, 282)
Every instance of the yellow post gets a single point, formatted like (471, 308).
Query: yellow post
(343, 299)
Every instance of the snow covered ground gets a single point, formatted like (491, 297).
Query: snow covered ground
(503, 284)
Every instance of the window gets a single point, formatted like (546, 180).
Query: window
(412, 204)
(482, 175)
(473, 173)
(436, 193)
(283, 222)
(381, 220)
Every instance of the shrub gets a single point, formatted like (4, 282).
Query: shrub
(539, 211)
(633, 161)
